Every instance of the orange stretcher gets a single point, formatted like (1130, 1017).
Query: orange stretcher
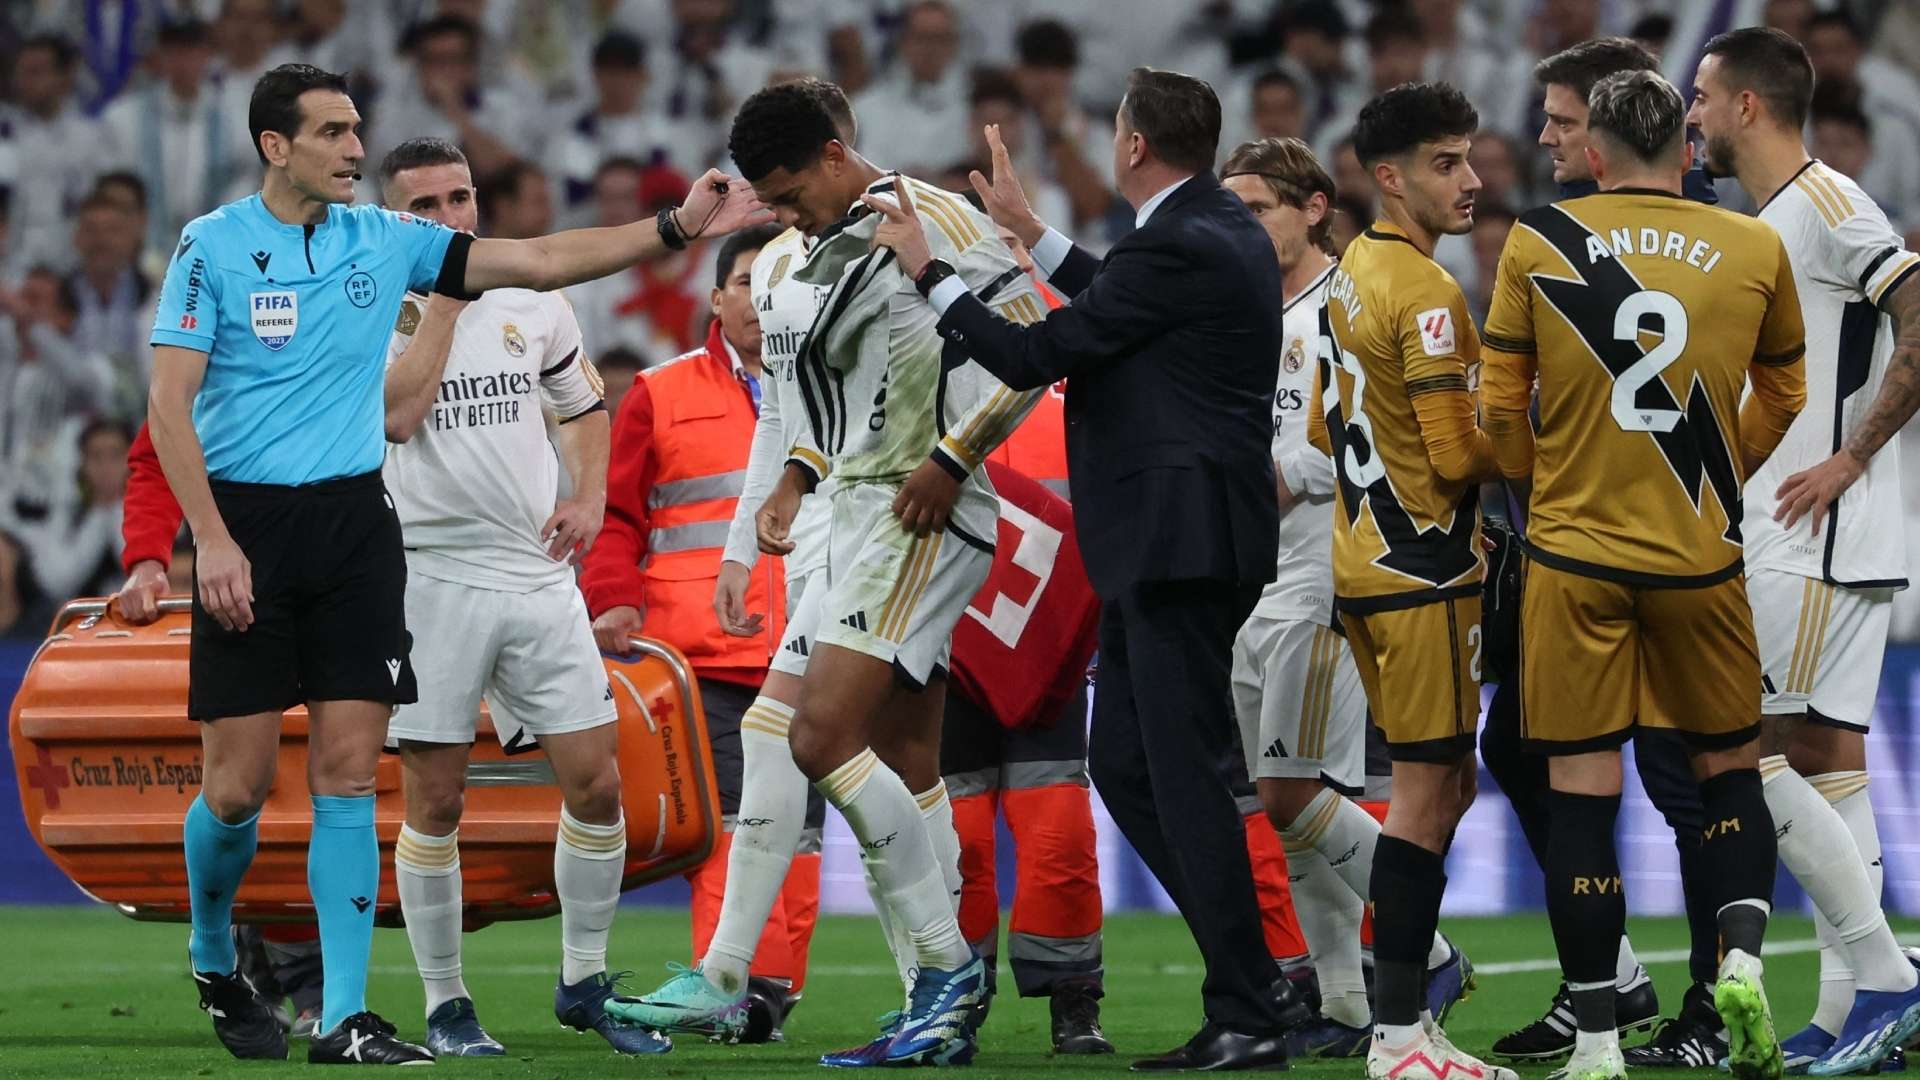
(108, 762)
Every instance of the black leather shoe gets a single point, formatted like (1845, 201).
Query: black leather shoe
(1076, 1019)
(1218, 1049)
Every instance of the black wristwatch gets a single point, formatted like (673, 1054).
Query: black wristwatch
(933, 274)
(670, 233)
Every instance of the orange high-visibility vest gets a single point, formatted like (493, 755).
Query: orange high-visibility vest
(678, 461)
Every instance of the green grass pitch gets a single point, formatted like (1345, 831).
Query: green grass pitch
(87, 993)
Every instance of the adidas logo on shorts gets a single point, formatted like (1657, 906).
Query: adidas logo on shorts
(857, 620)
(1275, 750)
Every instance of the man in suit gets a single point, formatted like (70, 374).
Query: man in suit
(1171, 349)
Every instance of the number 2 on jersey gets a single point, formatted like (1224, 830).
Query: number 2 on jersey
(1673, 342)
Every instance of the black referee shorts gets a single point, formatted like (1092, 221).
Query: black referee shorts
(329, 614)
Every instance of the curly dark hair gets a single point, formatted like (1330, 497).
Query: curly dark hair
(785, 126)
(1411, 114)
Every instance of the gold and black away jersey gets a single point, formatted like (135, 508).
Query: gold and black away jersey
(1394, 409)
(1643, 315)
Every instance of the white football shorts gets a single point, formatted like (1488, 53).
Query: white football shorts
(894, 596)
(805, 594)
(1300, 704)
(1821, 646)
(531, 654)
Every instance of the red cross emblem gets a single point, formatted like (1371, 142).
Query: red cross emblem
(48, 778)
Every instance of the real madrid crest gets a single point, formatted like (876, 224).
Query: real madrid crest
(1296, 356)
(510, 337)
(779, 270)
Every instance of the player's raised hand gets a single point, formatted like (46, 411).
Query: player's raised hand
(226, 582)
(900, 229)
(569, 533)
(140, 596)
(1005, 200)
(1814, 491)
(719, 204)
(730, 601)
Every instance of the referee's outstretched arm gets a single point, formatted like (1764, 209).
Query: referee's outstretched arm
(718, 204)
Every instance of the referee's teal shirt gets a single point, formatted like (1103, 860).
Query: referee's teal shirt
(295, 321)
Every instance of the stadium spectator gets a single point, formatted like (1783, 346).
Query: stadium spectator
(1277, 110)
(1313, 43)
(1842, 137)
(1880, 89)
(1492, 220)
(76, 550)
(996, 100)
(114, 299)
(354, 36)
(1793, 17)
(1349, 176)
(1396, 48)
(707, 68)
(56, 150)
(47, 383)
(1502, 181)
(516, 201)
(1351, 217)
(127, 191)
(619, 366)
(173, 134)
(1071, 139)
(916, 113)
(618, 122)
(1464, 49)
(25, 611)
(247, 35)
(444, 98)
(1652, 33)
(656, 308)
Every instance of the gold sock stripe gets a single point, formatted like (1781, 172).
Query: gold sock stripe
(1322, 820)
(902, 617)
(932, 797)
(759, 717)
(1293, 848)
(594, 838)
(1835, 786)
(426, 856)
(843, 782)
(1772, 765)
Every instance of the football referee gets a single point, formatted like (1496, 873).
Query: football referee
(267, 413)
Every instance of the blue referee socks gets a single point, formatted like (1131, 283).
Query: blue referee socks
(218, 855)
(343, 874)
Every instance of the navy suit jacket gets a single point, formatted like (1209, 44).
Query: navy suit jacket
(1171, 350)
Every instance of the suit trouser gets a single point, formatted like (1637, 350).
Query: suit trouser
(1162, 745)
(1666, 772)
(1037, 775)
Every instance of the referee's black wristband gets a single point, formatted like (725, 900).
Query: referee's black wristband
(670, 233)
(933, 274)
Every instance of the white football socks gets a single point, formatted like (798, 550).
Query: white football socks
(1627, 972)
(1817, 848)
(937, 811)
(1330, 917)
(588, 862)
(427, 871)
(1346, 836)
(894, 842)
(1847, 792)
(766, 832)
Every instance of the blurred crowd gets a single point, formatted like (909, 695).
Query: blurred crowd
(125, 119)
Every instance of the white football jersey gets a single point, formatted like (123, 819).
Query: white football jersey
(1303, 585)
(478, 480)
(786, 307)
(1845, 258)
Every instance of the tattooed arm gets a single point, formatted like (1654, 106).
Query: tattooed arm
(1813, 491)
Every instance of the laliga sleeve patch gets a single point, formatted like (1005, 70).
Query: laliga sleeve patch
(1436, 331)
